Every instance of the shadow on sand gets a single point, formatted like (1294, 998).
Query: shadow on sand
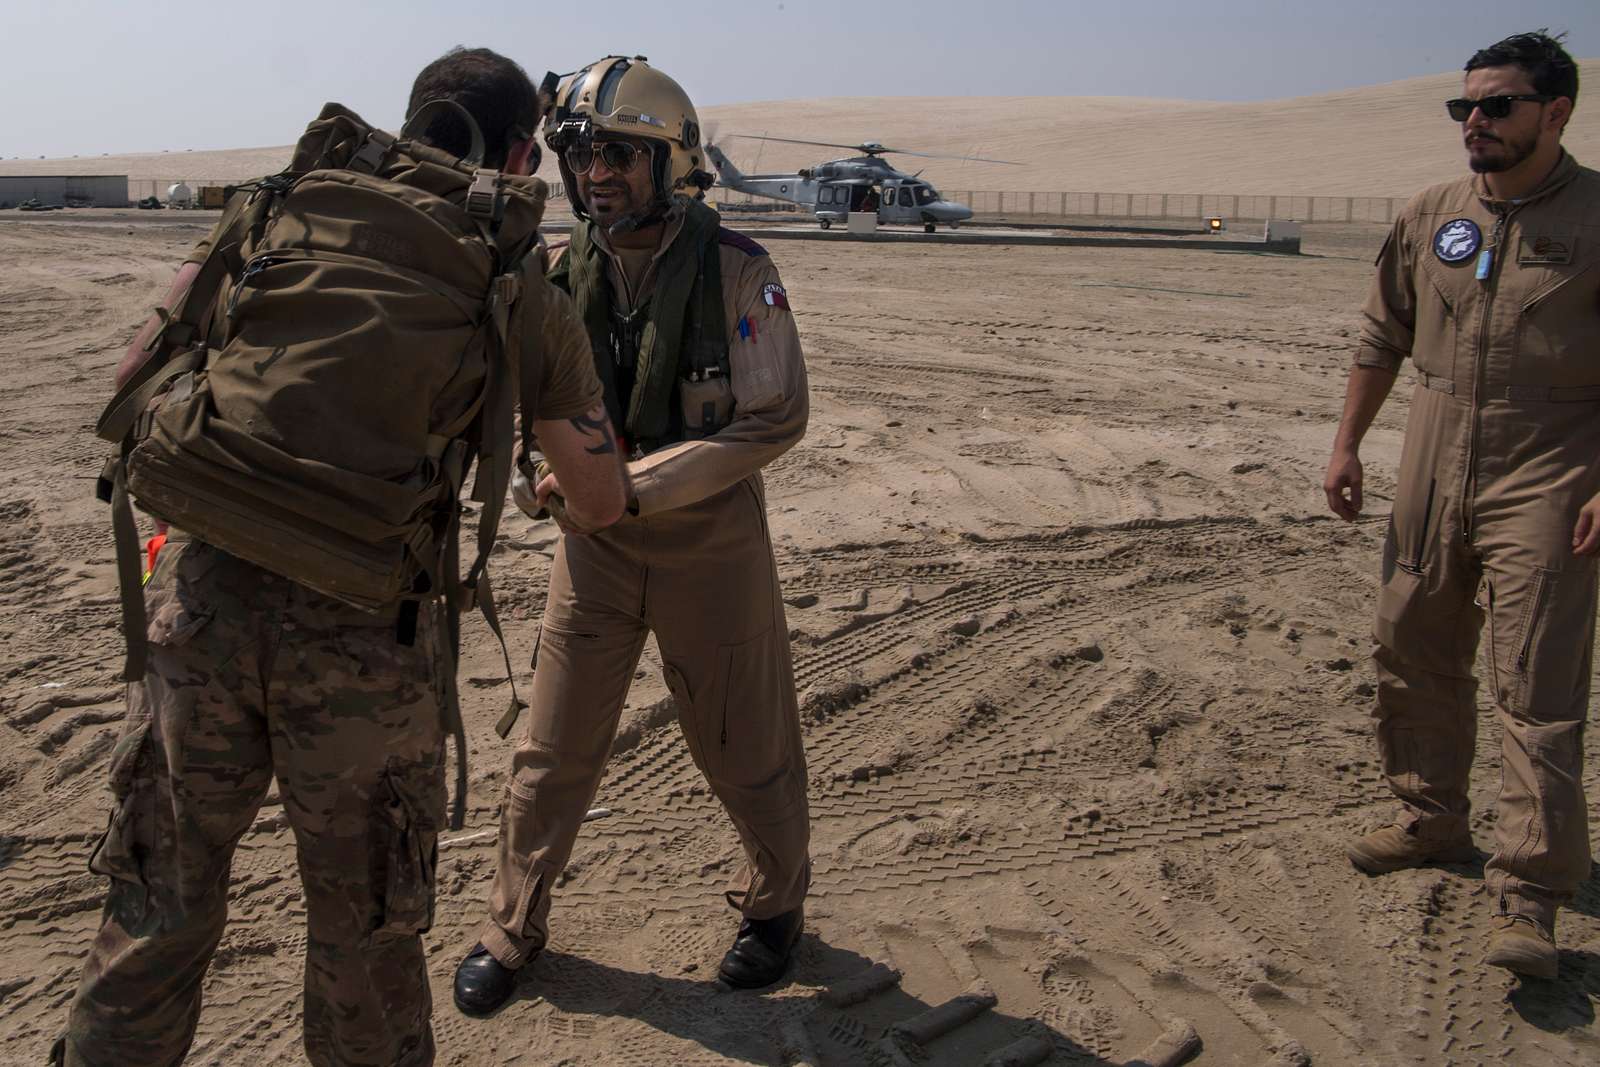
(787, 1023)
(1563, 1003)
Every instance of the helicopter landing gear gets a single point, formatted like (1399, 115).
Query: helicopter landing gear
(825, 223)
(927, 227)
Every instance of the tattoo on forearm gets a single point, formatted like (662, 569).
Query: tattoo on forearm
(600, 428)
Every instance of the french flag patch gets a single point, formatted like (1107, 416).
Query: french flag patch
(774, 296)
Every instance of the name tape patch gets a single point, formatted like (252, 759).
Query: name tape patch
(1551, 249)
(1457, 240)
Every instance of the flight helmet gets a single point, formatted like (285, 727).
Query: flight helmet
(625, 95)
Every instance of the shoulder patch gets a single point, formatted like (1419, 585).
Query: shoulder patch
(740, 241)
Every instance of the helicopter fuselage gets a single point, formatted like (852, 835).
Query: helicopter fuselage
(830, 191)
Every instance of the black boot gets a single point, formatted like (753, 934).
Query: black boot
(760, 952)
(483, 983)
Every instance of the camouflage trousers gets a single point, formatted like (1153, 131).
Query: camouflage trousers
(252, 676)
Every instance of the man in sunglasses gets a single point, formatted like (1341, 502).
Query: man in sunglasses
(703, 375)
(1491, 284)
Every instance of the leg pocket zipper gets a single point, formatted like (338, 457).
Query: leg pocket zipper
(1535, 613)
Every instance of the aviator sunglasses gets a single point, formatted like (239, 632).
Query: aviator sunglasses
(618, 156)
(1493, 107)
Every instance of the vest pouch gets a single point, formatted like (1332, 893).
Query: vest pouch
(706, 405)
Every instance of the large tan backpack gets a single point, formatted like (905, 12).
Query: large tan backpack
(348, 349)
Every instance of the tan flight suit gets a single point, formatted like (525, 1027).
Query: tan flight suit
(1501, 451)
(695, 567)
(253, 677)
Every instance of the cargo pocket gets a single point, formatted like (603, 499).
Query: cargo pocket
(121, 851)
(409, 805)
(1399, 598)
(1546, 663)
(174, 610)
(741, 728)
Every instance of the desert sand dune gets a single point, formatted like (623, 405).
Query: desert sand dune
(1380, 140)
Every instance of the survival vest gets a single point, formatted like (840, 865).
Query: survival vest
(680, 334)
(349, 348)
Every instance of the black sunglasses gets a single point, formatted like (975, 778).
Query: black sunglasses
(618, 156)
(1493, 107)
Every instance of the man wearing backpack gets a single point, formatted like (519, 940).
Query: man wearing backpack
(704, 378)
(252, 675)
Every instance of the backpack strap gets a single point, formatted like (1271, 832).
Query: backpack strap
(489, 489)
(494, 460)
(493, 493)
(133, 399)
(183, 330)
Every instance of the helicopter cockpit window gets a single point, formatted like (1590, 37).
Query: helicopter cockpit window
(925, 195)
(888, 196)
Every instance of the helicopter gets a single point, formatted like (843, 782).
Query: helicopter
(860, 183)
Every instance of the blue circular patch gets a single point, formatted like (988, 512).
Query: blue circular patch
(1456, 240)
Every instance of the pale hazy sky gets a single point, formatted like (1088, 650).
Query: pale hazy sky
(83, 77)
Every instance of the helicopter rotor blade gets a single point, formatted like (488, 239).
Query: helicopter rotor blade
(935, 155)
(878, 150)
(791, 140)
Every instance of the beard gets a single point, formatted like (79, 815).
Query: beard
(1492, 155)
(616, 206)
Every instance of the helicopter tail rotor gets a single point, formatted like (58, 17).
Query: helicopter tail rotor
(727, 173)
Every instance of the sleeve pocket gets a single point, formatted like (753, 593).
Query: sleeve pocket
(757, 374)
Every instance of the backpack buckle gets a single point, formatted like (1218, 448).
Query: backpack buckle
(483, 196)
(370, 156)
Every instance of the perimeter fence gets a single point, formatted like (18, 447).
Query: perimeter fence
(1185, 206)
(994, 203)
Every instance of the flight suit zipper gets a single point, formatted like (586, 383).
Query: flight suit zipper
(1534, 614)
(1486, 277)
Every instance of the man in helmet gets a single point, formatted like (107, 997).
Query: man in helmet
(704, 378)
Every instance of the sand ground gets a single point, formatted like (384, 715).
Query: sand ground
(1084, 675)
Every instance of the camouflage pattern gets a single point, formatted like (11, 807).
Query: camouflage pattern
(251, 676)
